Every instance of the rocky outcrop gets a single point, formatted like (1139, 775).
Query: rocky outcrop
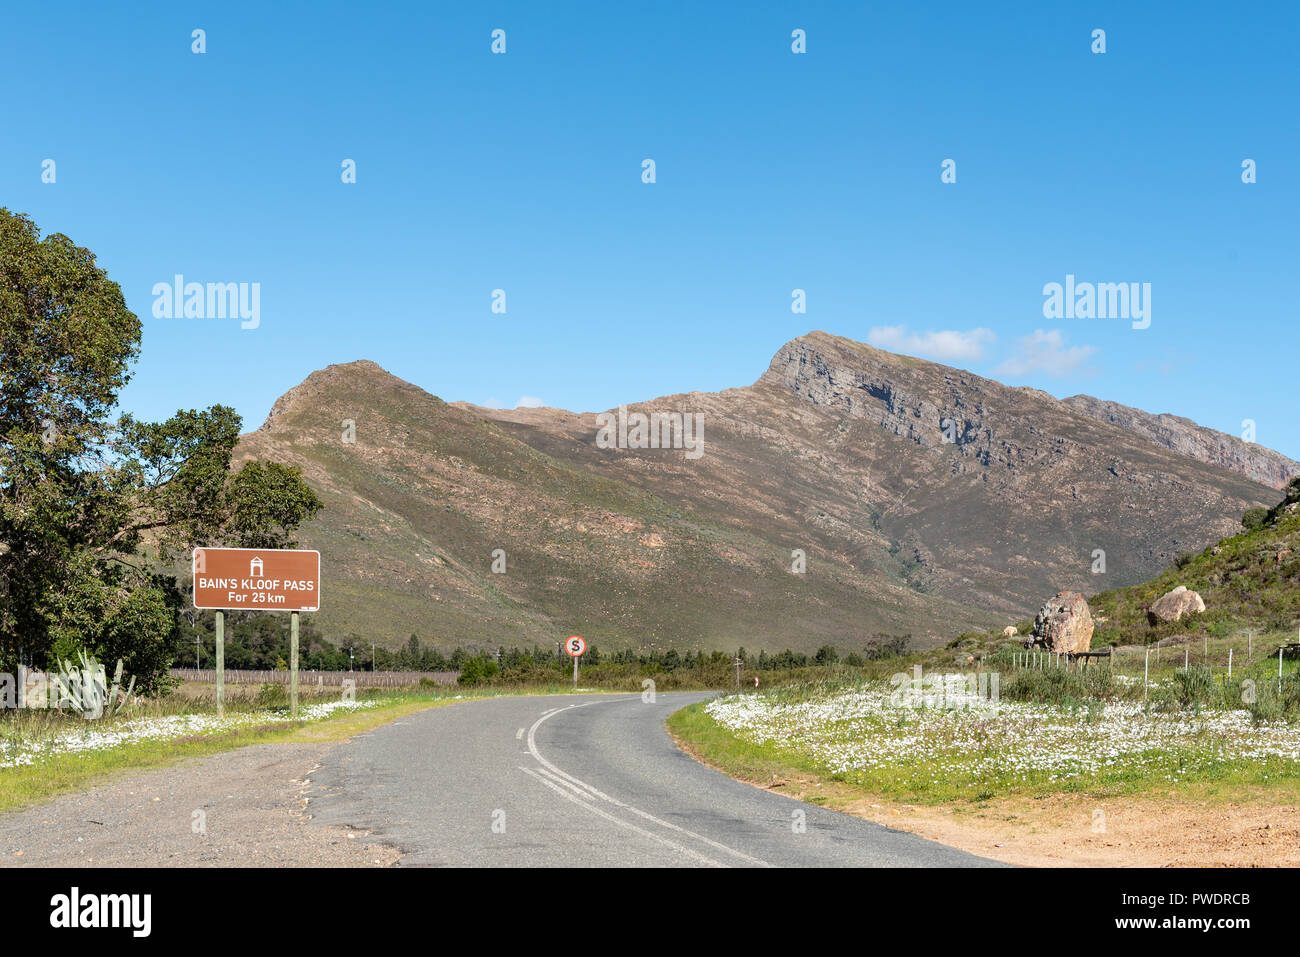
(1184, 436)
(1009, 631)
(937, 407)
(1064, 624)
(1175, 604)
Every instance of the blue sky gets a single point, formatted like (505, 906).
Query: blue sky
(775, 171)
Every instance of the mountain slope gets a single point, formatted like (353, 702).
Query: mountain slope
(838, 450)
(1250, 580)
(1205, 445)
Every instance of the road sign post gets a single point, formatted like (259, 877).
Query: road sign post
(293, 665)
(257, 579)
(221, 663)
(576, 647)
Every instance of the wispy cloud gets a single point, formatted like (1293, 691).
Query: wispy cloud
(946, 345)
(529, 402)
(1046, 353)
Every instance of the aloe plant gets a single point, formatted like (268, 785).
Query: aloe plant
(84, 686)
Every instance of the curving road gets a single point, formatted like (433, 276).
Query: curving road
(589, 781)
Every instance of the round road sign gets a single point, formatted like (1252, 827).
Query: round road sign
(575, 646)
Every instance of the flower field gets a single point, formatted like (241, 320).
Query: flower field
(95, 736)
(972, 747)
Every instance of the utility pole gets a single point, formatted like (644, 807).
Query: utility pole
(737, 663)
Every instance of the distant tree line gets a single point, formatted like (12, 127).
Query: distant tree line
(260, 641)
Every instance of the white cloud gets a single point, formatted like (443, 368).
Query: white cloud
(492, 404)
(529, 402)
(946, 345)
(1046, 353)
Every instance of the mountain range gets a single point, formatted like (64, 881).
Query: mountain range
(848, 493)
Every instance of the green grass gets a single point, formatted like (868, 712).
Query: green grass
(980, 764)
(1248, 581)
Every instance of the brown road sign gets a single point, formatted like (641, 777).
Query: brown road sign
(256, 579)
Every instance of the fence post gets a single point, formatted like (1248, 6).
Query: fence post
(1146, 672)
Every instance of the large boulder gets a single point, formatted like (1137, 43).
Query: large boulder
(1063, 624)
(1174, 605)
(1009, 631)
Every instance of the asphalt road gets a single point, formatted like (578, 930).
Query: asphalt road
(590, 781)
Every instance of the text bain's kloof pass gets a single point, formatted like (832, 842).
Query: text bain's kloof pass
(243, 579)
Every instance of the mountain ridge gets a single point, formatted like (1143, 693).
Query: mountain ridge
(838, 451)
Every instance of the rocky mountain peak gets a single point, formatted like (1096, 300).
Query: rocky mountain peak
(935, 405)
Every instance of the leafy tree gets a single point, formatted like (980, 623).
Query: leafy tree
(96, 513)
(478, 669)
(882, 646)
(826, 655)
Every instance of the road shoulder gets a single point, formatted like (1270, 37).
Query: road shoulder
(241, 808)
(1171, 829)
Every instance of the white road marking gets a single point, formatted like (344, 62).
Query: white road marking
(622, 823)
(586, 796)
(519, 734)
(556, 772)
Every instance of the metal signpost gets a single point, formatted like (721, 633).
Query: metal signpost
(576, 647)
(257, 579)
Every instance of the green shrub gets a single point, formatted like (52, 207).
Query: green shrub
(1055, 686)
(478, 670)
(1194, 687)
(272, 696)
(1271, 705)
(1254, 518)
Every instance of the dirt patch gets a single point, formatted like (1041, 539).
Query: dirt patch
(1079, 831)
